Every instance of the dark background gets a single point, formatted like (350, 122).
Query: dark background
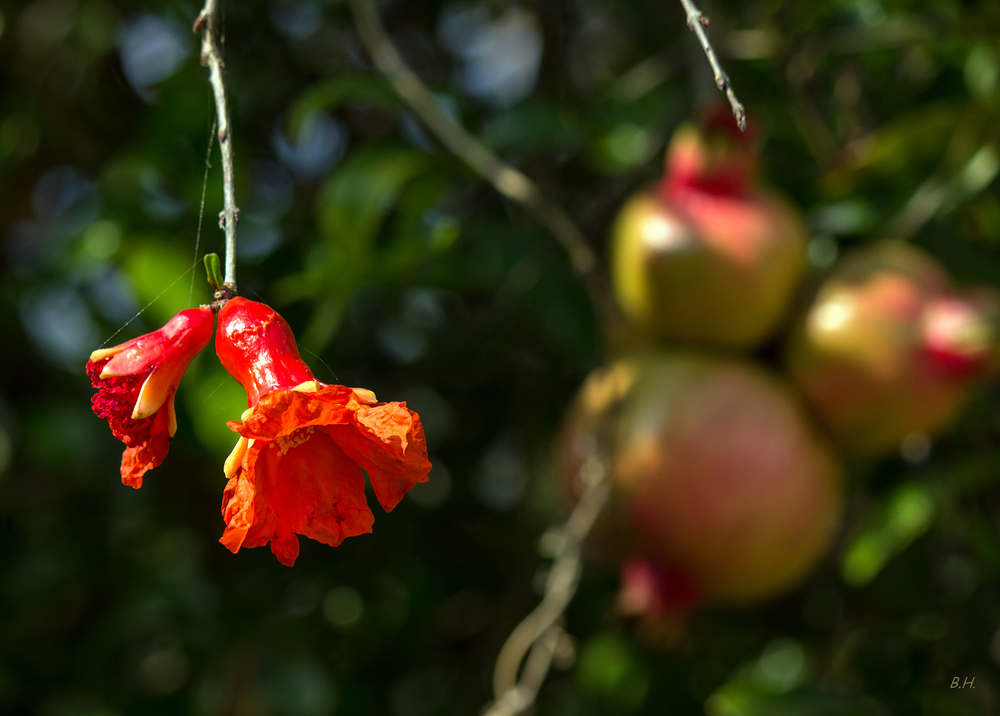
(402, 272)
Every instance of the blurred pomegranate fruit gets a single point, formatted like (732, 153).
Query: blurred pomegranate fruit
(887, 348)
(708, 254)
(721, 489)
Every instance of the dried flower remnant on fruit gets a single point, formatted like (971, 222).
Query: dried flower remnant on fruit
(136, 382)
(297, 465)
(888, 347)
(708, 254)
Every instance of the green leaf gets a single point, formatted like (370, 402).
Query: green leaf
(355, 201)
(380, 214)
(533, 126)
(775, 684)
(213, 269)
(609, 668)
(340, 90)
(907, 514)
(982, 70)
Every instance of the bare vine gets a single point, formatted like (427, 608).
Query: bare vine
(528, 654)
(507, 180)
(940, 193)
(207, 24)
(697, 21)
(537, 639)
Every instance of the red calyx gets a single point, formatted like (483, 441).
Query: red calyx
(713, 157)
(957, 338)
(656, 590)
(180, 339)
(256, 346)
(136, 382)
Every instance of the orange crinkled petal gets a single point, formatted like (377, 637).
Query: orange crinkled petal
(146, 452)
(282, 411)
(237, 509)
(303, 484)
(391, 424)
(387, 440)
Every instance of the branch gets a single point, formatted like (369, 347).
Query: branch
(505, 179)
(697, 22)
(940, 195)
(208, 24)
(921, 208)
(539, 634)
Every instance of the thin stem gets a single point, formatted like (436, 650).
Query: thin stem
(201, 207)
(697, 21)
(969, 165)
(505, 179)
(208, 24)
(538, 634)
(938, 195)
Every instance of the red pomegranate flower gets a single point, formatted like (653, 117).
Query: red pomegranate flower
(296, 468)
(136, 382)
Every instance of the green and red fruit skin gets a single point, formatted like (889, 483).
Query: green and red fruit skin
(722, 490)
(708, 255)
(888, 348)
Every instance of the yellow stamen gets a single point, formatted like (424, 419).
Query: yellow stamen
(365, 396)
(235, 459)
(153, 394)
(102, 353)
(296, 438)
(171, 417)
